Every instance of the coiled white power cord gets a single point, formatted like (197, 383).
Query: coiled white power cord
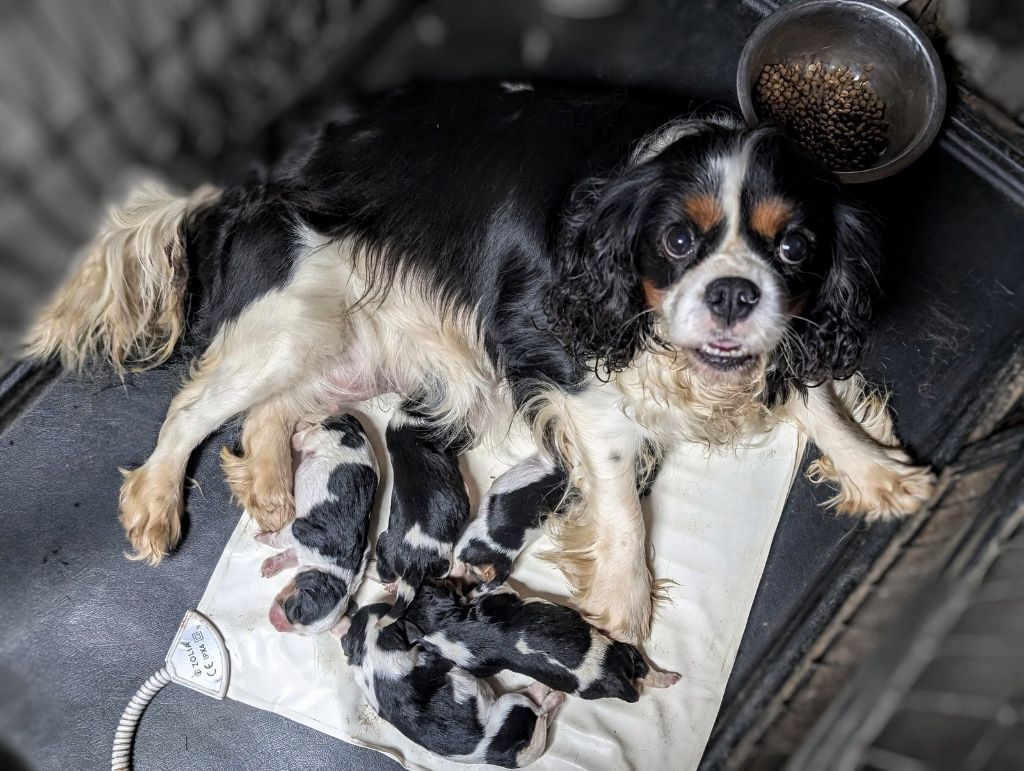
(121, 754)
(197, 659)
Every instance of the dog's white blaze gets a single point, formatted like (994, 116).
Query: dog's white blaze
(690, 322)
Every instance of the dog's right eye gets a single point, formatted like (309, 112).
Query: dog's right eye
(678, 241)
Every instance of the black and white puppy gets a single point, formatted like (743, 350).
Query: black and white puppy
(429, 505)
(510, 518)
(553, 644)
(439, 705)
(335, 484)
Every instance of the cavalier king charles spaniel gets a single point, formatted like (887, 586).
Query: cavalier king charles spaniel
(616, 276)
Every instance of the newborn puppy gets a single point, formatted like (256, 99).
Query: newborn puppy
(429, 506)
(440, 706)
(335, 484)
(551, 643)
(510, 518)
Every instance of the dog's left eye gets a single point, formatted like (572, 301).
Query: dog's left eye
(678, 241)
(793, 248)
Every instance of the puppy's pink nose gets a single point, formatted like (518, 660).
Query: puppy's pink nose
(279, 620)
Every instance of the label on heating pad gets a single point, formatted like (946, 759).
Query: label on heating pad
(198, 658)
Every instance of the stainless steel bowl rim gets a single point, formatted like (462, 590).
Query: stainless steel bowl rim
(896, 17)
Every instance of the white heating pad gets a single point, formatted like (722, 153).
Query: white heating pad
(711, 521)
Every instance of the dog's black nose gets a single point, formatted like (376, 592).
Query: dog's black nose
(731, 298)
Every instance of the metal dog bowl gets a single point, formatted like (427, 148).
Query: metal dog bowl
(874, 41)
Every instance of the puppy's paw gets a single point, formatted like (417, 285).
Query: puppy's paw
(890, 488)
(546, 699)
(274, 565)
(264, 490)
(551, 703)
(150, 512)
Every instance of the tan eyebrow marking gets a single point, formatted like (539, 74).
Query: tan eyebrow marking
(704, 210)
(770, 216)
(653, 295)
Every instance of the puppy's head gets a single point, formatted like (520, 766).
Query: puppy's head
(311, 603)
(725, 244)
(312, 438)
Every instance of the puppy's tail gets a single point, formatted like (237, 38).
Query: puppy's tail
(125, 302)
(406, 592)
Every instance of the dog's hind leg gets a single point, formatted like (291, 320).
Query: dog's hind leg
(261, 477)
(151, 496)
(276, 344)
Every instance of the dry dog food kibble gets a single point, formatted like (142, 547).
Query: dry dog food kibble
(833, 111)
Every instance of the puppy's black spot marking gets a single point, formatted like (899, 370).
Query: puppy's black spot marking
(353, 487)
(76, 504)
(615, 457)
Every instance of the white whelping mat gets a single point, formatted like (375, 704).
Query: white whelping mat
(711, 521)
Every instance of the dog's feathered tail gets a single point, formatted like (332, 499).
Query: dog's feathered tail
(406, 592)
(125, 302)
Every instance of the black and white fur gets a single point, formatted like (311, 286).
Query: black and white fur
(551, 643)
(439, 705)
(429, 505)
(335, 485)
(510, 518)
(617, 271)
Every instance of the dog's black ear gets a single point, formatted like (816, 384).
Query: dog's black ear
(833, 328)
(595, 302)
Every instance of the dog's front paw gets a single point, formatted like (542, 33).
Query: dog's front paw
(890, 488)
(263, 489)
(151, 506)
(621, 606)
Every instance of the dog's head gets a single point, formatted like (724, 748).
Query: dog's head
(726, 244)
